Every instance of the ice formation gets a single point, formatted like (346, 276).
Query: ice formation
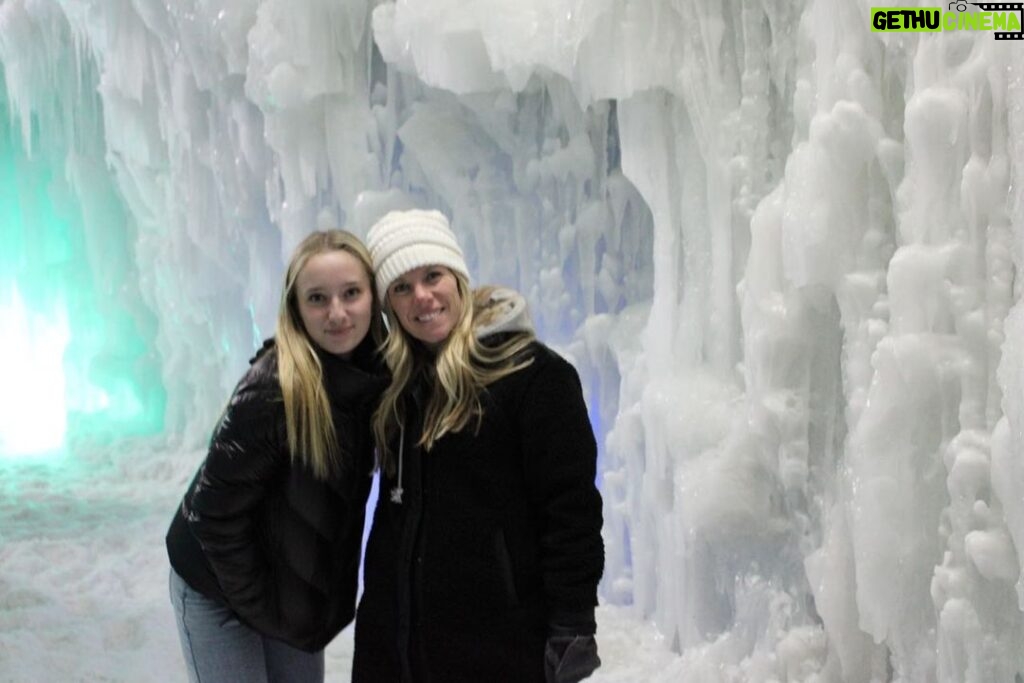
(781, 249)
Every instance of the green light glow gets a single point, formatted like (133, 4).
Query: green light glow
(76, 360)
(32, 411)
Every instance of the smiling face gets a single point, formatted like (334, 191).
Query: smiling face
(335, 301)
(426, 303)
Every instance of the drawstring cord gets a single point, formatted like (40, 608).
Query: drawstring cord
(396, 491)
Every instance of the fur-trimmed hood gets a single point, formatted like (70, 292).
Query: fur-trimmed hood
(498, 310)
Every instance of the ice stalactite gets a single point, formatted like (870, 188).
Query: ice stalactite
(703, 150)
(68, 244)
(186, 147)
(926, 521)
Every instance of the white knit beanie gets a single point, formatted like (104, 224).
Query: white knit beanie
(404, 240)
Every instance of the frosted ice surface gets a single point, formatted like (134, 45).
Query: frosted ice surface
(781, 249)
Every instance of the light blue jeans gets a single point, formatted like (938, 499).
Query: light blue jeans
(218, 648)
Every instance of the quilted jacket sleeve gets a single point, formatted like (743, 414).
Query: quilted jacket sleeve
(561, 459)
(246, 453)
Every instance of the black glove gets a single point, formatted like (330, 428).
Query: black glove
(571, 651)
(568, 659)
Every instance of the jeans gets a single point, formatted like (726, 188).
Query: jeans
(218, 648)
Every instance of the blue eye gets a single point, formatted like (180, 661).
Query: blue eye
(399, 288)
(316, 298)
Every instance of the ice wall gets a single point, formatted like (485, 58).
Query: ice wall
(781, 249)
(76, 350)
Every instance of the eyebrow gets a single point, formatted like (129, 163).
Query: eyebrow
(350, 283)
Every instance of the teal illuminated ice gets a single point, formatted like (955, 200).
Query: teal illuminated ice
(74, 362)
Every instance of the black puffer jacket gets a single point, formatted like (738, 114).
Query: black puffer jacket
(498, 534)
(260, 533)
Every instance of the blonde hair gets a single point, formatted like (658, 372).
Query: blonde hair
(312, 435)
(458, 373)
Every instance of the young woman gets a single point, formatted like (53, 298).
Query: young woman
(265, 545)
(485, 552)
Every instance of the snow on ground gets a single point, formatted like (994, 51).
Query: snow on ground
(83, 576)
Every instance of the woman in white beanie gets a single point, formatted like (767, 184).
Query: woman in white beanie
(485, 552)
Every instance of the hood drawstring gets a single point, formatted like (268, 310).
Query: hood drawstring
(396, 491)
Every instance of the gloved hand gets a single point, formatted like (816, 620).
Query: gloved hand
(571, 651)
(568, 659)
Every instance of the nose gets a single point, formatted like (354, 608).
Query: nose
(420, 292)
(336, 311)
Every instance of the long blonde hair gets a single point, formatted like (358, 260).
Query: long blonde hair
(458, 373)
(312, 435)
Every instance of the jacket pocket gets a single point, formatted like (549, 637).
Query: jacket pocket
(504, 559)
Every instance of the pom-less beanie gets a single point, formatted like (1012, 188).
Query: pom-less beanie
(405, 240)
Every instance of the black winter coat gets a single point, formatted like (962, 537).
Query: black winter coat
(260, 533)
(497, 534)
